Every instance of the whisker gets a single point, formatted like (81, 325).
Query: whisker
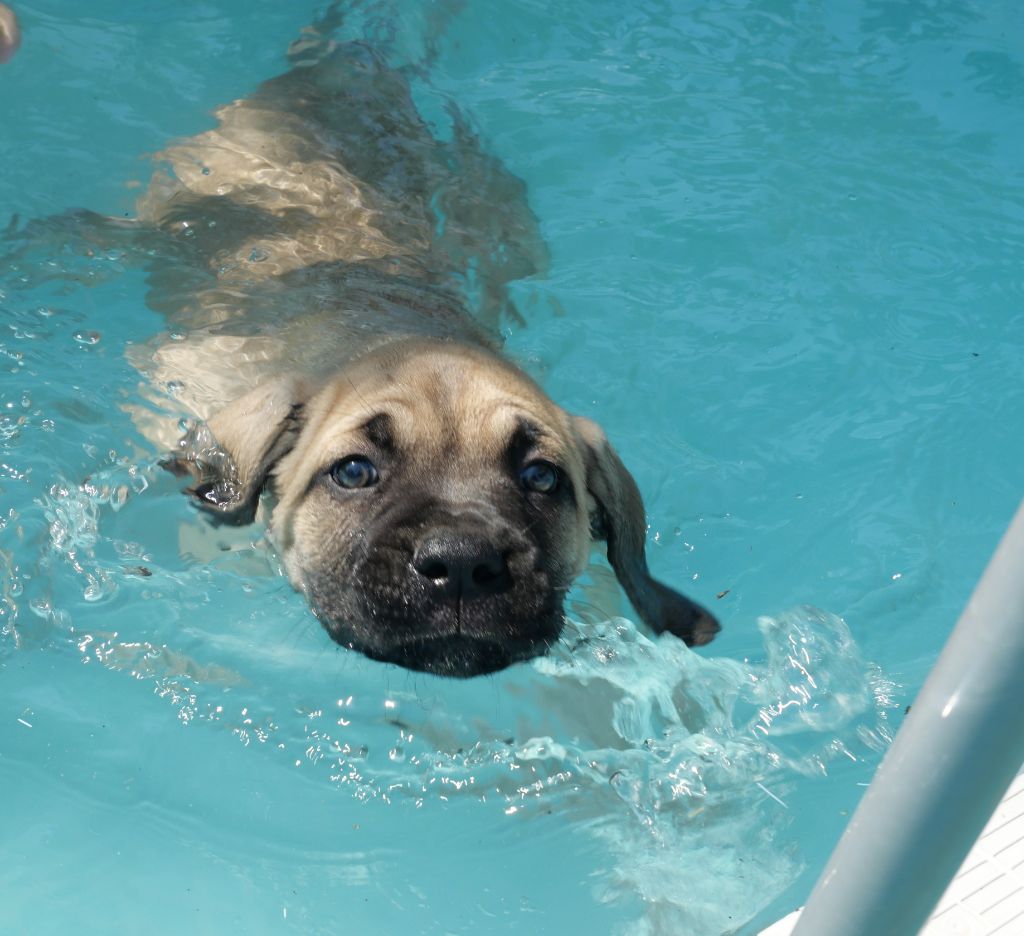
(366, 406)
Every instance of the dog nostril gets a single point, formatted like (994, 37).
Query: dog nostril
(490, 571)
(433, 569)
(462, 564)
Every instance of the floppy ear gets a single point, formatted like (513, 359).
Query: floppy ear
(230, 456)
(620, 520)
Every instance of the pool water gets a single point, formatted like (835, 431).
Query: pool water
(785, 278)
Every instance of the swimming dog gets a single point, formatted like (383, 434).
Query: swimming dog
(427, 497)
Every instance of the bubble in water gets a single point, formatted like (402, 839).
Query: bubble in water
(138, 482)
(87, 337)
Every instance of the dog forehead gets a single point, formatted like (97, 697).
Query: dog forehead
(438, 402)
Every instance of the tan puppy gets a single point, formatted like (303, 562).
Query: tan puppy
(428, 498)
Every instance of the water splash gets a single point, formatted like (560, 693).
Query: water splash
(72, 515)
(685, 776)
(678, 766)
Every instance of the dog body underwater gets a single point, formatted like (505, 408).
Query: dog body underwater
(433, 504)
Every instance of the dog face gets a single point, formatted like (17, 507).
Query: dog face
(434, 506)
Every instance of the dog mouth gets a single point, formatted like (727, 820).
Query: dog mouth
(460, 655)
(445, 642)
(403, 617)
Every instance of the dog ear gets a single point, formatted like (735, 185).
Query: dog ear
(230, 456)
(621, 521)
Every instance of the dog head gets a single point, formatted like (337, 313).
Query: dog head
(434, 505)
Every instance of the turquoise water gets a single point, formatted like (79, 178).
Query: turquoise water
(785, 277)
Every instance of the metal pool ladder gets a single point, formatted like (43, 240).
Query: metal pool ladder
(954, 767)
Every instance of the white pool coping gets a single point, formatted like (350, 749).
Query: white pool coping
(986, 898)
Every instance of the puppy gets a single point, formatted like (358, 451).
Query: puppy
(432, 503)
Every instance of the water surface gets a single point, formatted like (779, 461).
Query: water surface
(785, 278)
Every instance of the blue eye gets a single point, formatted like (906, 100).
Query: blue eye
(539, 476)
(354, 472)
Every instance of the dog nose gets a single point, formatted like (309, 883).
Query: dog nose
(460, 564)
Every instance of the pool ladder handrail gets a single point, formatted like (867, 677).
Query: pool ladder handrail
(952, 760)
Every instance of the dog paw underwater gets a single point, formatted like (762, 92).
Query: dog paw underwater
(333, 277)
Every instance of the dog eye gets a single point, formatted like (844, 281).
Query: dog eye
(539, 476)
(354, 472)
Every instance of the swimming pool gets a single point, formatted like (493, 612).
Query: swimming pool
(785, 277)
